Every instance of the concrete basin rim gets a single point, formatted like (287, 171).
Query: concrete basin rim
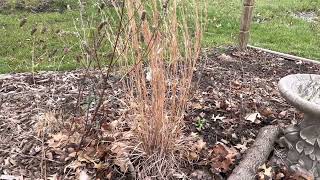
(294, 99)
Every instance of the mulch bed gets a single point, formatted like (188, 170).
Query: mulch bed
(235, 94)
(234, 85)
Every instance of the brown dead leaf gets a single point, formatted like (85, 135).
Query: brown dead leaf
(224, 57)
(196, 146)
(74, 165)
(100, 166)
(196, 106)
(280, 176)
(83, 157)
(123, 163)
(223, 157)
(109, 126)
(266, 112)
(109, 175)
(193, 156)
(70, 156)
(119, 148)
(200, 145)
(57, 140)
(236, 84)
(75, 138)
(49, 155)
(121, 156)
(282, 114)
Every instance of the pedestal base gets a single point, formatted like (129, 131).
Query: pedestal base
(303, 144)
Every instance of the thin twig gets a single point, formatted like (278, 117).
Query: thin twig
(105, 77)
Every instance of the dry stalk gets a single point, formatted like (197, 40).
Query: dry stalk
(163, 50)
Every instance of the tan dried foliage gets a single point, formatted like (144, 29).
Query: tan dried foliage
(162, 54)
(222, 157)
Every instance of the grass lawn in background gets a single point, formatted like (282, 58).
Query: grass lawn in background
(275, 27)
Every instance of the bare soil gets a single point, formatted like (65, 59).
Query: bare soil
(234, 95)
(308, 16)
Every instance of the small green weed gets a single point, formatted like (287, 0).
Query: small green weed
(200, 124)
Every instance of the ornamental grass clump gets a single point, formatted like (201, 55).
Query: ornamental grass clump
(157, 44)
(163, 48)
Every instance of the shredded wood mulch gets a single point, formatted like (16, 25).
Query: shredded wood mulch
(235, 94)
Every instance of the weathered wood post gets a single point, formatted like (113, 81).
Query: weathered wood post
(248, 7)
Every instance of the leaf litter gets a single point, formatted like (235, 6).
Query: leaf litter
(42, 136)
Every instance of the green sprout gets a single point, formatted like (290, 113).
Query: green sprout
(201, 122)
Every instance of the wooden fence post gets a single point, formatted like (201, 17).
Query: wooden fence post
(248, 7)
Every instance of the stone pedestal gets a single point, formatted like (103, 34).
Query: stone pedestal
(303, 140)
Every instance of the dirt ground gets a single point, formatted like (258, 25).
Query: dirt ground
(234, 95)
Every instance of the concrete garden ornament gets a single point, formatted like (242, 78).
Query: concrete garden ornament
(303, 140)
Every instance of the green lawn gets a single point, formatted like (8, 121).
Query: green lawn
(21, 51)
(274, 27)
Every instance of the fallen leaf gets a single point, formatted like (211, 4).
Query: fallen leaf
(100, 166)
(236, 84)
(73, 154)
(119, 149)
(282, 114)
(49, 155)
(109, 175)
(224, 57)
(241, 147)
(223, 157)
(200, 145)
(196, 106)
(252, 117)
(280, 176)
(57, 140)
(224, 141)
(177, 175)
(84, 176)
(200, 175)
(83, 157)
(123, 163)
(218, 117)
(193, 156)
(266, 170)
(59, 137)
(74, 165)
(266, 112)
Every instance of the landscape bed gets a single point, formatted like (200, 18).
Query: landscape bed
(234, 95)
